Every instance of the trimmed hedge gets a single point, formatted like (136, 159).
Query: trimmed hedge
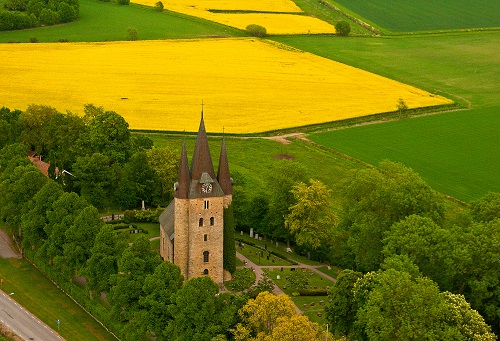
(313, 292)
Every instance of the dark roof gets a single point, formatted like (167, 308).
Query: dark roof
(167, 219)
(183, 178)
(202, 161)
(223, 175)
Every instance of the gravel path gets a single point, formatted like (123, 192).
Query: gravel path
(7, 250)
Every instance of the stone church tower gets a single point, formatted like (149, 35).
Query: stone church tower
(191, 227)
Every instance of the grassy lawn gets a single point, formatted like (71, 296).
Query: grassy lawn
(41, 297)
(331, 271)
(253, 253)
(310, 305)
(454, 152)
(106, 21)
(281, 249)
(408, 15)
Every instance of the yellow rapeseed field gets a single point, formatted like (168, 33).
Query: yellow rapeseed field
(275, 23)
(247, 85)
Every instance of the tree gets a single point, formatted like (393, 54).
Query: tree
(80, 237)
(280, 181)
(157, 290)
(487, 208)
(34, 220)
(229, 247)
(375, 199)
(200, 312)
(242, 281)
(136, 262)
(103, 261)
(131, 31)
(145, 182)
(311, 219)
(257, 30)
(159, 6)
(341, 310)
(165, 163)
(297, 327)
(342, 28)
(95, 178)
(402, 107)
(109, 134)
(263, 284)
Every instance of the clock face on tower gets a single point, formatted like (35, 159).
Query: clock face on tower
(206, 188)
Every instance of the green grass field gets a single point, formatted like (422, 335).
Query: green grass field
(106, 21)
(456, 153)
(42, 298)
(427, 15)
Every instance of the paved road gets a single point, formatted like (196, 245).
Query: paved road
(23, 323)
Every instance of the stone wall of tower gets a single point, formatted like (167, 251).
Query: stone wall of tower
(182, 235)
(207, 237)
(166, 246)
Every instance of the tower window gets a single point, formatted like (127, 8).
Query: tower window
(205, 272)
(205, 204)
(205, 237)
(211, 221)
(200, 222)
(205, 256)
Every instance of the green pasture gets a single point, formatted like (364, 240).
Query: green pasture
(457, 152)
(42, 298)
(426, 15)
(107, 21)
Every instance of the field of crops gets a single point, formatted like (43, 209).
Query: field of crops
(457, 153)
(278, 17)
(247, 85)
(427, 15)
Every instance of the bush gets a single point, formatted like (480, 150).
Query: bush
(313, 292)
(257, 30)
(132, 34)
(33, 40)
(123, 2)
(342, 28)
(159, 6)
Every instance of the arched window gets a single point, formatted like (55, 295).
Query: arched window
(205, 272)
(205, 256)
(211, 221)
(200, 222)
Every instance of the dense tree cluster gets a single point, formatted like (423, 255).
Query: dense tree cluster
(102, 161)
(20, 14)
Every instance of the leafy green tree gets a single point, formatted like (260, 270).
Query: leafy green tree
(378, 198)
(200, 312)
(311, 219)
(80, 238)
(159, 6)
(12, 156)
(257, 213)
(229, 248)
(263, 284)
(60, 218)
(341, 310)
(131, 31)
(157, 297)
(16, 190)
(109, 134)
(487, 208)
(145, 181)
(280, 180)
(136, 262)
(257, 30)
(242, 281)
(95, 178)
(103, 261)
(165, 163)
(342, 28)
(12, 126)
(34, 220)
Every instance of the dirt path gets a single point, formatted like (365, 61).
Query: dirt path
(7, 250)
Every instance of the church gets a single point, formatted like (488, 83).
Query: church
(192, 226)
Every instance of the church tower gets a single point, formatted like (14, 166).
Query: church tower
(192, 226)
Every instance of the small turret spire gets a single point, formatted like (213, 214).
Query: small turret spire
(223, 175)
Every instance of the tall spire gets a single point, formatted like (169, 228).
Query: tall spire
(183, 178)
(223, 175)
(202, 161)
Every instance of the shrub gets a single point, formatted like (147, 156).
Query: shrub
(132, 33)
(313, 292)
(33, 40)
(257, 30)
(123, 2)
(159, 6)
(342, 28)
